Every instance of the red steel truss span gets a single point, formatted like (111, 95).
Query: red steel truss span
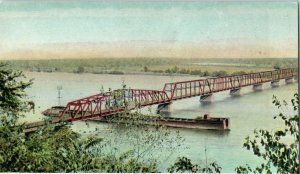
(109, 103)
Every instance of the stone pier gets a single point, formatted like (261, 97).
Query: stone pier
(206, 98)
(296, 78)
(258, 87)
(164, 108)
(275, 83)
(289, 80)
(235, 92)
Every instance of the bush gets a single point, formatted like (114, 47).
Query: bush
(116, 72)
(218, 73)
(80, 69)
(184, 164)
(272, 145)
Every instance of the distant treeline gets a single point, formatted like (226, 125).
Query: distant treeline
(202, 67)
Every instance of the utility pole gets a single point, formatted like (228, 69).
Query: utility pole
(59, 88)
(102, 89)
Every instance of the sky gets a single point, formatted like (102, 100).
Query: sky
(193, 29)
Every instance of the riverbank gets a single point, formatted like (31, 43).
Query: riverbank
(152, 66)
(123, 73)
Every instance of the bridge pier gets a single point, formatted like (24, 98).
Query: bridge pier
(258, 87)
(296, 78)
(275, 83)
(164, 108)
(207, 98)
(235, 92)
(289, 80)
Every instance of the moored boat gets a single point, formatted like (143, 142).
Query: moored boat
(54, 111)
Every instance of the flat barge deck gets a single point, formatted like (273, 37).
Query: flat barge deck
(205, 122)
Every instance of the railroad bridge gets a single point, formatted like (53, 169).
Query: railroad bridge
(117, 101)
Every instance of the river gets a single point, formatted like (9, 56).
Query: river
(247, 112)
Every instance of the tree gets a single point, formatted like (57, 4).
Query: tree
(13, 101)
(280, 148)
(238, 73)
(38, 151)
(277, 66)
(183, 164)
(219, 73)
(149, 141)
(80, 69)
(146, 69)
(168, 71)
(126, 162)
(184, 71)
(52, 148)
(206, 73)
(175, 69)
(151, 138)
(196, 72)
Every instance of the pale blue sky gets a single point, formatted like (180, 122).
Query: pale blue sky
(39, 22)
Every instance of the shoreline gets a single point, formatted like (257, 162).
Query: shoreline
(124, 73)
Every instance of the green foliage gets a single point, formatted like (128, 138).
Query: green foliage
(126, 163)
(58, 149)
(238, 73)
(116, 72)
(80, 69)
(218, 73)
(183, 164)
(186, 71)
(48, 150)
(147, 138)
(280, 148)
(175, 69)
(146, 69)
(52, 148)
(206, 73)
(12, 95)
(277, 66)
(196, 72)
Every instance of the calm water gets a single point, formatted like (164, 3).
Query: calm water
(249, 111)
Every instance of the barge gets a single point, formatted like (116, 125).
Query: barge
(205, 122)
